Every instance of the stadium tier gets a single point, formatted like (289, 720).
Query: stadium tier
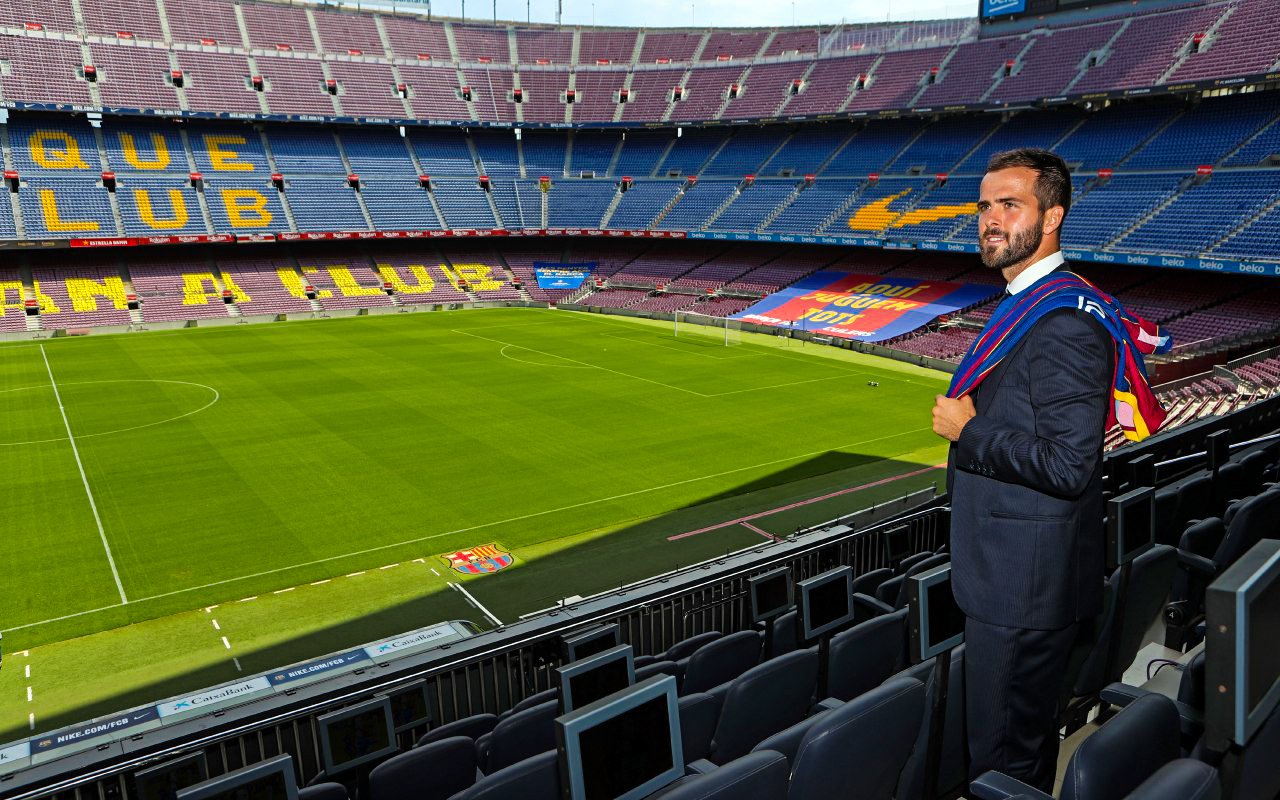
(1143, 169)
(258, 59)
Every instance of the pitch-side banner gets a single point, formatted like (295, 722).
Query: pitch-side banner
(869, 308)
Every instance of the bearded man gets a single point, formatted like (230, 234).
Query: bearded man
(1026, 415)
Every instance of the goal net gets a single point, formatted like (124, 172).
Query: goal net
(718, 330)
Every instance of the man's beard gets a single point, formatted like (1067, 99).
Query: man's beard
(1019, 246)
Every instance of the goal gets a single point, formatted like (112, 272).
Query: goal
(720, 330)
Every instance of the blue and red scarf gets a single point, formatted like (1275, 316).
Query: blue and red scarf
(1134, 406)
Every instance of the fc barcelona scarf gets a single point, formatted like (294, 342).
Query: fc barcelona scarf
(1134, 406)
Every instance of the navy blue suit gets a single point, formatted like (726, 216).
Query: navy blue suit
(1027, 538)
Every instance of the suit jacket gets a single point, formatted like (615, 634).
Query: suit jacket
(1025, 480)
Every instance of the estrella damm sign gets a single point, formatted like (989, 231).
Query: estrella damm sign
(483, 560)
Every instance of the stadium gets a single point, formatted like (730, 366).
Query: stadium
(375, 383)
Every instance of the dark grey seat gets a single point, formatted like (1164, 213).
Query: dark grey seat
(762, 701)
(721, 661)
(522, 735)
(866, 655)
(1184, 779)
(859, 749)
(536, 778)
(757, 776)
(1127, 750)
(434, 771)
(472, 727)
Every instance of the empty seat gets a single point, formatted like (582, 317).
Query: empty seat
(518, 737)
(759, 776)
(721, 661)
(684, 649)
(434, 771)
(324, 791)
(545, 696)
(1111, 763)
(1185, 779)
(536, 778)
(868, 582)
(472, 727)
(866, 655)
(762, 701)
(859, 749)
(699, 714)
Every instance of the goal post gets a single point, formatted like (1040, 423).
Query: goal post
(704, 327)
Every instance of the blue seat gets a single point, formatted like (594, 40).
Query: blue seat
(1111, 763)
(759, 776)
(536, 778)
(544, 696)
(683, 649)
(472, 727)
(699, 714)
(519, 736)
(859, 749)
(324, 791)
(1185, 779)
(435, 771)
(952, 768)
(762, 701)
(721, 661)
(866, 655)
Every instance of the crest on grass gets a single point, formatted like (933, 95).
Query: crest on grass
(482, 560)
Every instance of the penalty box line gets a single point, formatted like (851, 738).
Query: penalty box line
(93, 505)
(481, 526)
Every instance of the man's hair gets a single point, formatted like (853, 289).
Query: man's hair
(1053, 179)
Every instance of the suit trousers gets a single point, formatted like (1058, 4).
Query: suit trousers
(1013, 679)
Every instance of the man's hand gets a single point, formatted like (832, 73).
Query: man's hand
(951, 415)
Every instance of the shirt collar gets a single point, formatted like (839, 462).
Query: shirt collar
(1036, 271)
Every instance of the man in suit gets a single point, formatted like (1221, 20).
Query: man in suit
(1025, 478)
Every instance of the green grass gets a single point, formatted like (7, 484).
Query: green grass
(229, 463)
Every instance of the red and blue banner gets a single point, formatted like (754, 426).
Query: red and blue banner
(869, 308)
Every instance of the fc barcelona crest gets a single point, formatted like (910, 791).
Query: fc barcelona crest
(482, 560)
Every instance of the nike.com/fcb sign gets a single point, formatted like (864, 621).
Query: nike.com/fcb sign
(997, 8)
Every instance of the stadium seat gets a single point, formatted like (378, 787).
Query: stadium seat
(762, 701)
(1112, 762)
(657, 668)
(1257, 770)
(544, 696)
(866, 655)
(683, 649)
(1253, 520)
(324, 791)
(518, 737)
(720, 661)
(699, 714)
(1144, 595)
(786, 633)
(952, 767)
(434, 771)
(868, 582)
(1185, 779)
(859, 749)
(760, 776)
(536, 778)
(472, 727)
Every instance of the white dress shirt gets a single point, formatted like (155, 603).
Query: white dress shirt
(1036, 271)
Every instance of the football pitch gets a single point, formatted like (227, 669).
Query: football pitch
(183, 507)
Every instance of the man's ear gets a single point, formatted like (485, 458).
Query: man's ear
(1053, 219)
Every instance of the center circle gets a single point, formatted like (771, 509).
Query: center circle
(125, 402)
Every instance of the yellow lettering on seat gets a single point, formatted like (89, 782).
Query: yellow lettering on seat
(246, 208)
(198, 287)
(178, 205)
(479, 277)
(321, 294)
(425, 283)
(222, 159)
(84, 293)
(158, 146)
(47, 306)
(237, 294)
(349, 286)
(65, 157)
(292, 282)
(54, 222)
(10, 297)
